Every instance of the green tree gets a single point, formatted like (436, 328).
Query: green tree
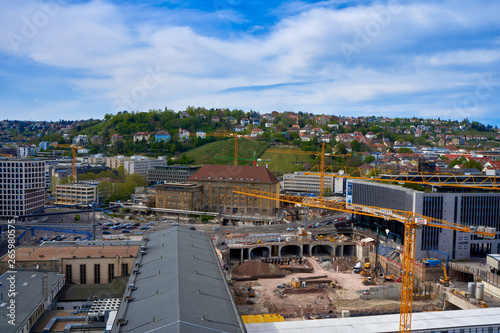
(341, 148)
(356, 146)
(368, 159)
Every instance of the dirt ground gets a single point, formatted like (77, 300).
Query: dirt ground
(296, 303)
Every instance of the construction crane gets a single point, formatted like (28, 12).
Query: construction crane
(423, 178)
(7, 155)
(74, 148)
(321, 165)
(226, 135)
(411, 222)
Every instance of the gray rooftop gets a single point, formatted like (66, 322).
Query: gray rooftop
(180, 287)
(439, 321)
(28, 286)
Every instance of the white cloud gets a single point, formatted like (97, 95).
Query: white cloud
(112, 57)
(465, 57)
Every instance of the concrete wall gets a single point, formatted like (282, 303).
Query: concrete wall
(491, 289)
(277, 250)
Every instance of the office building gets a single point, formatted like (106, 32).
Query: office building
(465, 208)
(219, 181)
(22, 187)
(70, 194)
(170, 173)
(141, 164)
(178, 196)
(298, 182)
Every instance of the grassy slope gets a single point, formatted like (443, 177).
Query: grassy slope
(211, 153)
(282, 163)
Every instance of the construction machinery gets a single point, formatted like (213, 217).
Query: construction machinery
(411, 221)
(74, 148)
(368, 281)
(250, 290)
(357, 267)
(445, 280)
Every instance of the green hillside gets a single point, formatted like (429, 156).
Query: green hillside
(281, 163)
(222, 152)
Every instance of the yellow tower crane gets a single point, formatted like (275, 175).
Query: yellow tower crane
(321, 165)
(74, 148)
(411, 222)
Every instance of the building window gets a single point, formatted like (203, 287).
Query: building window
(69, 274)
(111, 272)
(97, 273)
(124, 269)
(83, 274)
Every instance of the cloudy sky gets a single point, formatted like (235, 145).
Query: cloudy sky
(78, 59)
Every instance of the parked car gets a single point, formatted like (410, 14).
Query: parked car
(106, 232)
(126, 231)
(290, 229)
(192, 228)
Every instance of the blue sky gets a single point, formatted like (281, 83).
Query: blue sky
(63, 59)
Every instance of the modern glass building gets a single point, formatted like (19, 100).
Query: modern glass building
(479, 208)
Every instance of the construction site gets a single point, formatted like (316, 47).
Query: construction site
(312, 287)
(361, 283)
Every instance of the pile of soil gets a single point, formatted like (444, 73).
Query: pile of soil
(258, 269)
(342, 264)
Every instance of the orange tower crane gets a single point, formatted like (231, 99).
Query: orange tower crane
(411, 222)
(74, 148)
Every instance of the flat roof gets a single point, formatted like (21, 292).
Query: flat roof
(385, 323)
(180, 288)
(39, 253)
(28, 286)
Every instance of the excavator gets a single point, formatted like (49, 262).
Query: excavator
(445, 280)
